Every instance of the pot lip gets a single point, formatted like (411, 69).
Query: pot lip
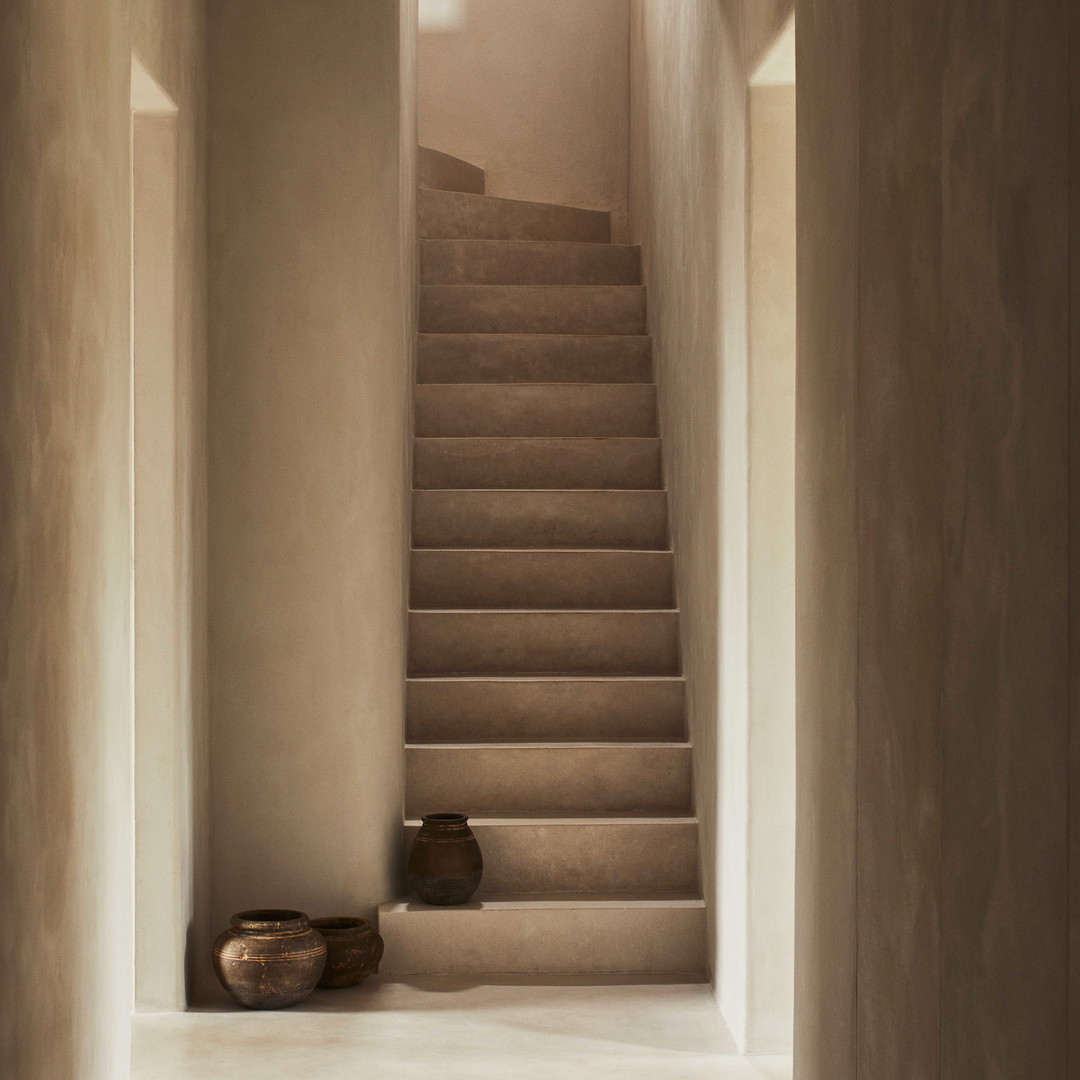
(445, 818)
(270, 919)
(339, 924)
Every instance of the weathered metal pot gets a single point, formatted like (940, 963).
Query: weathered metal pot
(354, 950)
(445, 864)
(269, 959)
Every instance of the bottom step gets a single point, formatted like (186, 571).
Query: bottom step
(535, 935)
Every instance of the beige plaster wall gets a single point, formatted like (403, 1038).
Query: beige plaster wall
(933, 618)
(771, 577)
(535, 93)
(310, 308)
(688, 210)
(65, 517)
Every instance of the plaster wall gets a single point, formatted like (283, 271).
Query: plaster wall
(690, 64)
(66, 843)
(311, 311)
(933, 540)
(535, 93)
(771, 575)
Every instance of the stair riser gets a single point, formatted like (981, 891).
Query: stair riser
(543, 941)
(495, 262)
(538, 358)
(457, 410)
(542, 579)
(604, 858)
(537, 463)
(450, 215)
(545, 519)
(447, 173)
(573, 642)
(548, 779)
(527, 309)
(541, 710)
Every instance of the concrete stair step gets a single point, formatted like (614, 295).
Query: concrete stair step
(460, 578)
(538, 463)
(590, 854)
(604, 410)
(448, 173)
(549, 519)
(535, 709)
(533, 358)
(550, 778)
(532, 309)
(453, 215)
(543, 642)
(546, 936)
(527, 262)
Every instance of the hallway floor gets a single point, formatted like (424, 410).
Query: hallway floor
(457, 1029)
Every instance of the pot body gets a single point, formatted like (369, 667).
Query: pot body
(354, 950)
(445, 864)
(269, 959)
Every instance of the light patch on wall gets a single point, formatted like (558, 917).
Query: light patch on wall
(777, 67)
(441, 16)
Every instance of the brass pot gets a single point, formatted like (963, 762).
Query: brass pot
(269, 959)
(445, 864)
(354, 950)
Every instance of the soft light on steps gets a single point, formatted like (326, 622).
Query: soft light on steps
(544, 695)
(457, 578)
(536, 463)
(553, 708)
(546, 935)
(494, 778)
(532, 309)
(611, 410)
(517, 262)
(590, 854)
(543, 642)
(549, 519)
(533, 358)
(452, 215)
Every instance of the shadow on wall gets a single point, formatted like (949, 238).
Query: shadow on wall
(442, 16)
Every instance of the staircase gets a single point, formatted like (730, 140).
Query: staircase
(544, 695)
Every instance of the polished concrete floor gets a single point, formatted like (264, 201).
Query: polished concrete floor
(456, 1029)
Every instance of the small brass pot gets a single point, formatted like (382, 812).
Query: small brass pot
(269, 959)
(445, 864)
(354, 950)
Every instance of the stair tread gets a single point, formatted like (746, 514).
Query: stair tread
(516, 202)
(581, 817)
(570, 677)
(607, 744)
(508, 901)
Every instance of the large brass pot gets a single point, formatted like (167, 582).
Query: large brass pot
(269, 959)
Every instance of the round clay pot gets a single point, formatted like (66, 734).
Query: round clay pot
(269, 959)
(445, 864)
(353, 950)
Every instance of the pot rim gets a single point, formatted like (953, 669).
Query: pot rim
(270, 919)
(339, 924)
(445, 818)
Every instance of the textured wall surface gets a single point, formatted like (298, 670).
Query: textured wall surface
(171, 830)
(688, 169)
(308, 483)
(65, 518)
(536, 94)
(933, 540)
(771, 579)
